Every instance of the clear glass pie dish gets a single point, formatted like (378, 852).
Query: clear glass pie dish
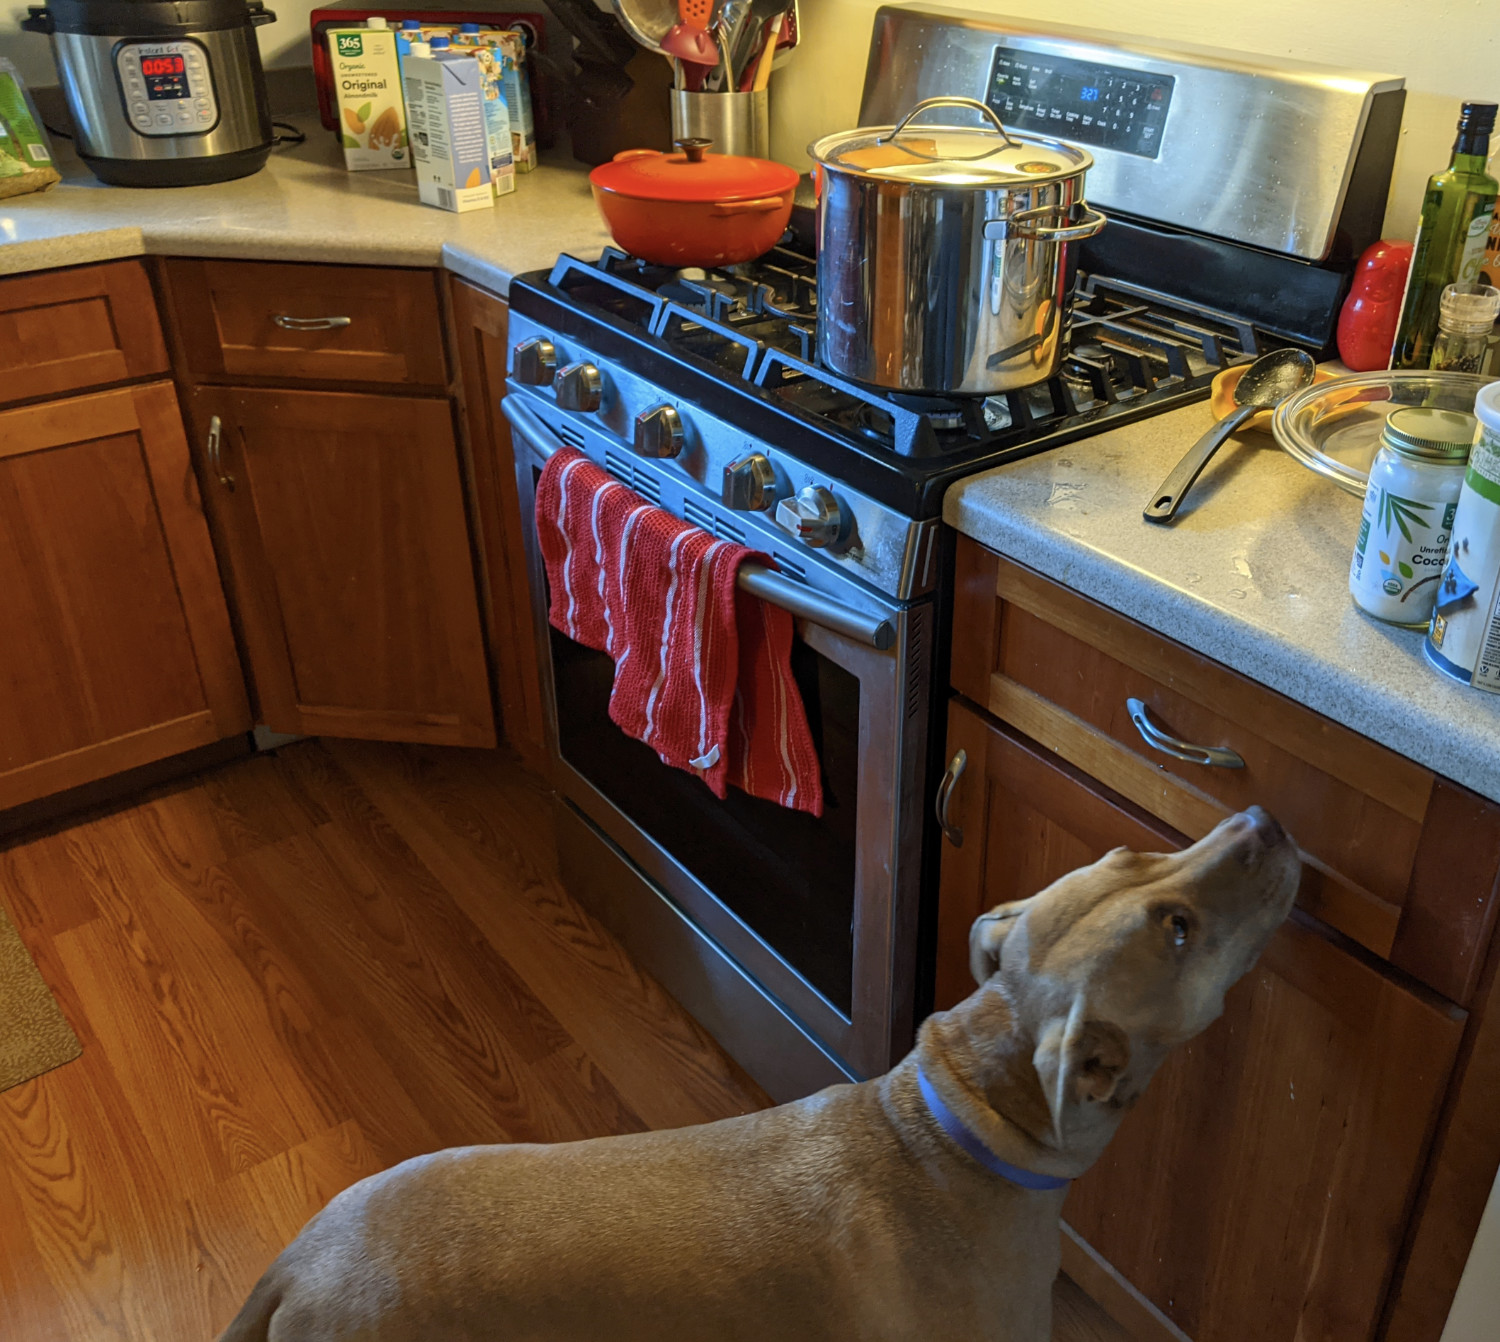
(1333, 427)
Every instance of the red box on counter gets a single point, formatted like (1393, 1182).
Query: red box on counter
(532, 25)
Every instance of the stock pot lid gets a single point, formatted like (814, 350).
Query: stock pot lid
(941, 155)
(692, 175)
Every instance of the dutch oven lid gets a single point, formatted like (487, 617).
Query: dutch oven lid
(144, 18)
(983, 156)
(692, 175)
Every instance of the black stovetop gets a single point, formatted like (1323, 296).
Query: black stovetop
(740, 342)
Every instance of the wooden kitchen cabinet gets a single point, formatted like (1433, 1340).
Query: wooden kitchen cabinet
(344, 531)
(116, 648)
(67, 330)
(1260, 1190)
(481, 347)
(1316, 1164)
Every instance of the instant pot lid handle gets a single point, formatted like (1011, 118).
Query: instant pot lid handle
(144, 18)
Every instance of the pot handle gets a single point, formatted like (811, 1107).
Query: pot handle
(973, 104)
(1084, 222)
(762, 205)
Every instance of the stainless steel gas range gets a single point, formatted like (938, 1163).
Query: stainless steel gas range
(799, 942)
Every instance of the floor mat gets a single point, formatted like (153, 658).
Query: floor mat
(34, 1037)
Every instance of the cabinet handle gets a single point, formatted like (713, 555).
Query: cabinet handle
(310, 323)
(1219, 757)
(954, 772)
(215, 458)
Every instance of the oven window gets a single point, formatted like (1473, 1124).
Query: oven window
(787, 876)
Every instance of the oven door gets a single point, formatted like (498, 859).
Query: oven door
(820, 914)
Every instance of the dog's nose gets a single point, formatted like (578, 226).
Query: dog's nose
(1267, 829)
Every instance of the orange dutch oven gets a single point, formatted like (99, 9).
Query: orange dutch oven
(694, 208)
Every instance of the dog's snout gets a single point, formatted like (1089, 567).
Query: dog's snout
(1266, 827)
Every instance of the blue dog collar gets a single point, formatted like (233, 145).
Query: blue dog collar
(976, 1149)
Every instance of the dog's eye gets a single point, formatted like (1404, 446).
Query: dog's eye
(1178, 926)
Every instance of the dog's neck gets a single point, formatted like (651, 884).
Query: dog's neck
(980, 1055)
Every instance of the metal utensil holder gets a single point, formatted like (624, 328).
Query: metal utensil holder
(737, 123)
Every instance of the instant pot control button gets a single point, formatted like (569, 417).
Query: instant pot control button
(658, 432)
(533, 362)
(814, 517)
(579, 386)
(749, 484)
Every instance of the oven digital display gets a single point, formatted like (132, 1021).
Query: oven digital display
(1100, 105)
(164, 77)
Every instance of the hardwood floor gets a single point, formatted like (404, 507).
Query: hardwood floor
(288, 974)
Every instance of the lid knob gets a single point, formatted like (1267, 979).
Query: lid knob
(694, 148)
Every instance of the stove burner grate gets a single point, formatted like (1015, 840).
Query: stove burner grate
(1128, 347)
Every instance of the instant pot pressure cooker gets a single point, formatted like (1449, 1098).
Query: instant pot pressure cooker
(162, 92)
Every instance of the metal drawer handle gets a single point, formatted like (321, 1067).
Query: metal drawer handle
(954, 772)
(1220, 757)
(215, 458)
(310, 323)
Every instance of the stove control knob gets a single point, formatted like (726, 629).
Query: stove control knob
(815, 517)
(534, 362)
(658, 433)
(579, 386)
(749, 484)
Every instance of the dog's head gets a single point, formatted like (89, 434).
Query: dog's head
(1108, 968)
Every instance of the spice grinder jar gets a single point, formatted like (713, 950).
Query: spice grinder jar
(943, 250)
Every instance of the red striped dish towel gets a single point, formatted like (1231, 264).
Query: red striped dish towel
(703, 672)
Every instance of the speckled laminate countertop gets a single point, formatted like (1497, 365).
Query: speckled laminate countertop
(1253, 573)
(303, 206)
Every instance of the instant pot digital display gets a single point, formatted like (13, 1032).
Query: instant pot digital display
(1101, 105)
(164, 77)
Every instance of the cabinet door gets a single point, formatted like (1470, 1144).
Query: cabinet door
(479, 321)
(116, 648)
(1259, 1190)
(353, 577)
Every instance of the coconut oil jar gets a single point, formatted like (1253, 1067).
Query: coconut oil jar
(1415, 481)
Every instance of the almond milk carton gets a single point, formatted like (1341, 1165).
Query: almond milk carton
(449, 135)
(367, 83)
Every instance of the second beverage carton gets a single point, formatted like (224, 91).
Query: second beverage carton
(449, 139)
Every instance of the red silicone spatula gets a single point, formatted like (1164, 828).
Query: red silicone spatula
(689, 39)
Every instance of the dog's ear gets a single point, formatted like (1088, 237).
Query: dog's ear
(1079, 1061)
(986, 938)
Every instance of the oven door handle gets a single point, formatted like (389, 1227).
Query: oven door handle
(755, 579)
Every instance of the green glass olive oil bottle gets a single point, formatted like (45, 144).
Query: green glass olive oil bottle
(1456, 215)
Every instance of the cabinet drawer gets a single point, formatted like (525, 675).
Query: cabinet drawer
(69, 330)
(248, 320)
(1401, 861)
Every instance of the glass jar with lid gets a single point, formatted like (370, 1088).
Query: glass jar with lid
(1415, 481)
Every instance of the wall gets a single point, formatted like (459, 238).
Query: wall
(1448, 50)
(1477, 1305)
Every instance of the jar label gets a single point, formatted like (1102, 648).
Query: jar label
(1473, 253)
(1399, 555)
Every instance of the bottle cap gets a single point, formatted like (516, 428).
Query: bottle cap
(1430, 435)
(468, 27)
(1477, 116)
(410, 24)
(440, 43)
(375, 21)
(1468, 309)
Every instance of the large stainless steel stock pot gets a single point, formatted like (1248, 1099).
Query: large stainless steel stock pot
(942, 253)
